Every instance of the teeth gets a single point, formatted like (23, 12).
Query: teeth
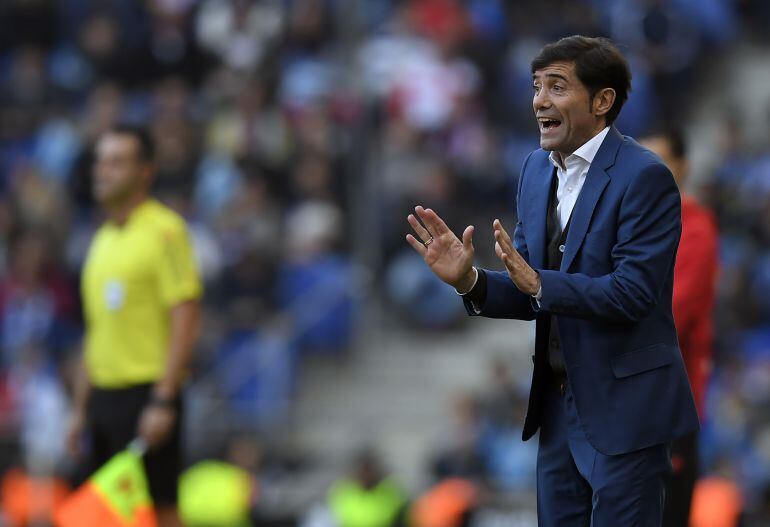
(547, 122)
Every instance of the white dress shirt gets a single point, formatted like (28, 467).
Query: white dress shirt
(573, 173)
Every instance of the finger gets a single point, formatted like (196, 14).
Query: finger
(506, 259)
(468, 238)
(505, 241)
(504, 244)
(498, 225)
(512, 274)
(513, 270)
(433, 223)
(515, 257)
(512, 260)
(418, 228)
(498, 250)
(417, 246)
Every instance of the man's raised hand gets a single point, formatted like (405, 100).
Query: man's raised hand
(447, 256)
(522, 275)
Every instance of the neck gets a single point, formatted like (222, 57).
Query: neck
(119, 212)
(599, 127)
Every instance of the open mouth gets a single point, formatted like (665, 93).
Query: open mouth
(548, 124)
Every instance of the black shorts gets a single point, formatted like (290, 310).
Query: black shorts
(113, 418)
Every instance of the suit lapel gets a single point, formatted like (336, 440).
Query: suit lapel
(596, 180)
(538, 210)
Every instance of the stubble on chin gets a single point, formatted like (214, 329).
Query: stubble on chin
(547, 146)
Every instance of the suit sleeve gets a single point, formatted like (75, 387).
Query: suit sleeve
(648, 230)
(503, 299)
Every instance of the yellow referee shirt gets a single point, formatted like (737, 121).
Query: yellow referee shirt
(133, 275)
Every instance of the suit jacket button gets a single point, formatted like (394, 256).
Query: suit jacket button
(561, 248)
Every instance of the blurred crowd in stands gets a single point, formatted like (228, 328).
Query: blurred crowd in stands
(295, 136)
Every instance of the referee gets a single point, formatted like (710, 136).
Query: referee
(141, 293)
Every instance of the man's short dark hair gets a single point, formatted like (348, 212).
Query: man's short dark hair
(146, 150)
(598, 64)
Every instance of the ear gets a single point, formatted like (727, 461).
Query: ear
(603, 101)
(148, 174)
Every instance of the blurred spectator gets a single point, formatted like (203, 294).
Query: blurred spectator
(450, 503)
(30, 500)
(367, 498)
(222, 492)
(458, 446)
(717, 502)
(509, 462)
(26, 90)
(37, 304)
(316, 285)
(239, 32)
(214, 494)
(421, 299)
(695, 277)
(27, 22)
(502, 395)
(255, 367)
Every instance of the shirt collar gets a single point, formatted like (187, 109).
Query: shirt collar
(135, 213)
(587, 152)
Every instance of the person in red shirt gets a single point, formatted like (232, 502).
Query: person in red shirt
(695, 274)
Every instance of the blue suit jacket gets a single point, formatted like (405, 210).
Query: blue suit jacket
(611, 297)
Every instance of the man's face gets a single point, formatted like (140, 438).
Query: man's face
(119, 171)
(563, 108)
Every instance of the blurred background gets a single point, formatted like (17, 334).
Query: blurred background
(295, 136)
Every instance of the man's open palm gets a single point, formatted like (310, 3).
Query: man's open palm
(449, 258)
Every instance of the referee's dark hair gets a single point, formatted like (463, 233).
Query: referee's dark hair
(146, 150)
(598, 64)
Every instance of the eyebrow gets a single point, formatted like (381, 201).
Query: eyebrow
(555, 75)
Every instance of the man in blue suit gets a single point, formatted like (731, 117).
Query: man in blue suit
(592, 261)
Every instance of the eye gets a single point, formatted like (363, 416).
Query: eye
(536, 88)
(558, 88)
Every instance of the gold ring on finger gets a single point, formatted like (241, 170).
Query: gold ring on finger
(428, 241)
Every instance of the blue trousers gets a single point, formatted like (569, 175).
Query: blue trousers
(577, 486)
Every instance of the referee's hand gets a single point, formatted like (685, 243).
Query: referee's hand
(75, 429)
(156, 424)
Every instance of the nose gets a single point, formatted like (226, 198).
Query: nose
(540, 100)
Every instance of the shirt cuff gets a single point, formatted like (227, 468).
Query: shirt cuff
(475, 281)
(537, 296)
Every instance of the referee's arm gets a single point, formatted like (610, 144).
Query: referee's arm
(157, 420)
(185, 326)
(81, 391)
(180, 288)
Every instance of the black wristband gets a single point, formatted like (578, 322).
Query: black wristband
(157, 400)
